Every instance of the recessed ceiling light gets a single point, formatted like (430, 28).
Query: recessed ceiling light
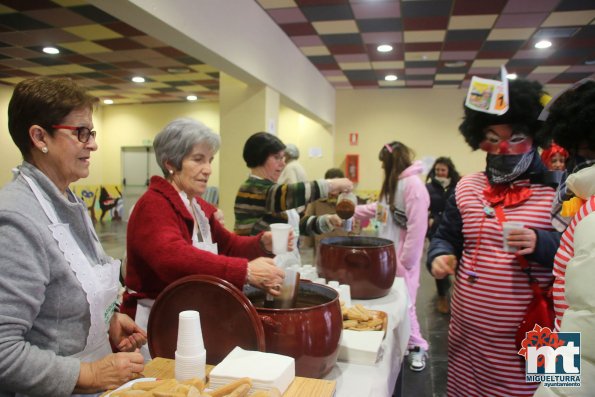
(557, 32)
(51, 50)
(192, 97)
(108, 101)
(511, 76)
(455, 64)
(543, 44)
(390, 77)
(138, 79)
(178, 70)
(384, 48)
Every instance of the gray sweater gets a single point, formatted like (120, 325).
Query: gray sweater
(44, 314)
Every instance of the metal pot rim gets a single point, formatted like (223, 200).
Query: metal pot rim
(356, 242)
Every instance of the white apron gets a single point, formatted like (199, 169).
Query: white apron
(100, 282)
(143, 306)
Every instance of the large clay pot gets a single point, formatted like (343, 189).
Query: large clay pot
(310, 332)
(367, 264)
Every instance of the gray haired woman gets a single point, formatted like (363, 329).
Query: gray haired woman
(293, 172)
(189, 240)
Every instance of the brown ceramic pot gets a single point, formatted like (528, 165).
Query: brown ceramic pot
(310, 332)
(367, 264)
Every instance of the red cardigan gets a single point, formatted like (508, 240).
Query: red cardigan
(160, 251)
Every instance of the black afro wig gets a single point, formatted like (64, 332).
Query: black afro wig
(571, 121)
(524, 108)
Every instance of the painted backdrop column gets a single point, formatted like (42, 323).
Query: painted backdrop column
(245, 109)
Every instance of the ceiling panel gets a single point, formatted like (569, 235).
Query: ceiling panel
(449, 39)
(435, 43)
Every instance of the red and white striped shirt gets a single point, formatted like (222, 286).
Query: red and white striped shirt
(564, 254)
(482, 356)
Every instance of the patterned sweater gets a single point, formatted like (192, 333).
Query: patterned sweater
(260, 202)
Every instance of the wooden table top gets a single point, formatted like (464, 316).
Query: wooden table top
(163, 368)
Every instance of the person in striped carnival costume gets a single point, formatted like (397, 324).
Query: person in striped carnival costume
(571, 120)
(491, 291)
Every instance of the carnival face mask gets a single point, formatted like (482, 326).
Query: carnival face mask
(504, 139)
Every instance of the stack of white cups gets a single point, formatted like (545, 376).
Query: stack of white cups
(191, 355)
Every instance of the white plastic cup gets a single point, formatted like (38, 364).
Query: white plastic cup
(334, 284)
(345, 294)
(288, 290)
(188, 367)
(280, 233)
(190, 342)
(507, 227)
(296, 267)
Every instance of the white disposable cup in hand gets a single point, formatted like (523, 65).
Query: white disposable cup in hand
(288, 289)
(280, 233)
(190, 342)
(507, 227)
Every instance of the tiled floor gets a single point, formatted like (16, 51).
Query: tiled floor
(429, 383)
(113, 237)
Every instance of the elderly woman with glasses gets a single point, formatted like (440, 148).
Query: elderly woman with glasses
(58, 287)
(173, 232)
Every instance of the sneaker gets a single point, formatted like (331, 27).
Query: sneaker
(442, 305)
(417, 359)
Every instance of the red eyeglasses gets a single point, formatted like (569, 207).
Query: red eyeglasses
(83, 134)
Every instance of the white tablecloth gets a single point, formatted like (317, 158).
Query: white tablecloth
(378, 380)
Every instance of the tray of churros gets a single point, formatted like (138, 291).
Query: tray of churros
(151, 387)
(359, 318)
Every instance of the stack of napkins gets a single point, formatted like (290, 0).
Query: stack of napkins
(267, 370)
(360, 347)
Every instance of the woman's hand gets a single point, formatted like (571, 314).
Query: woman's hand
(335, 221)
(263, 274)
(110, 372)
(125, 334)
(443, 265)
(339, 185)
(524, 239)
(266, 241)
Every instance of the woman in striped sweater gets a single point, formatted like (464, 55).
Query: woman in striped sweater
(491, 292)
(260, 201)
